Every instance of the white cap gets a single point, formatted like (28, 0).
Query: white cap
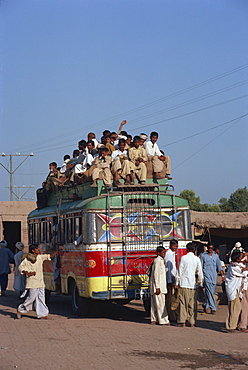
(3, 244)
(237, 245)
(20, 246)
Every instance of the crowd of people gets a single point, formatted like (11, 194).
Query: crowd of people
(116, 156)
(174, 291)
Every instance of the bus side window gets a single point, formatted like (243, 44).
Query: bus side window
(31, 232)
(62, 232)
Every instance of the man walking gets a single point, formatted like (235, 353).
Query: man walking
(158, 290)
(6, 257)
(189, 268)
(210, 266)
(32, 267)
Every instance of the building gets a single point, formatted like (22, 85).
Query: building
(13, 222)
(222, 228)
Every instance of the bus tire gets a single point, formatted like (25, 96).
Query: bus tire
(80, 305)
(147, 305)
(47, 296)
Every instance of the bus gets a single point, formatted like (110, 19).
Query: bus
(109, 238)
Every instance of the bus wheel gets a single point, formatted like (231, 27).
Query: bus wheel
(47, 296)
(80, 305)
(147, 306)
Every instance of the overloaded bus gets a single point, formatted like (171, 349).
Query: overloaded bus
(109, 238)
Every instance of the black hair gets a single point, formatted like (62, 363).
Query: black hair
(53, 164)
(106, 132)
(210, 244)
(91, 142)
(136, 138)
(153, 133)
(66, 157)
(173, 242)
(123, 141)
(75, 151)
(32, 247)
(82, 143)
(235, 256)
(160, 249)
(103, 149)
(190, 247)
(124, 133)
(129, 137)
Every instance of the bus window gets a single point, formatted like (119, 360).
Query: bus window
(78, 227)
(62, 232)
(30, 232)
(89, 228)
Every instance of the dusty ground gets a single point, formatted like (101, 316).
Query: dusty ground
(115, 337)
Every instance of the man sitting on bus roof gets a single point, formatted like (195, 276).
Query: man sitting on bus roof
(102, 163)
(92, 136)
(156, 157)
(106, 141)
(121, 165)
(138, 157)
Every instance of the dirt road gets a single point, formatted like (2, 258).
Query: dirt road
(114, 337)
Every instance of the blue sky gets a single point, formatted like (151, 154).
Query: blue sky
(177, 67)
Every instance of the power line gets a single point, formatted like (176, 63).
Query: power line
(202, 132)
(192, 155)
(146, 105)
(155, 123)
(186, 114)
(209, 95)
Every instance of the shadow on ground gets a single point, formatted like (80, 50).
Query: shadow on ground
(207, 359)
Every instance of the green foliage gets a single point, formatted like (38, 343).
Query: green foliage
(237, 202)
(195, 202)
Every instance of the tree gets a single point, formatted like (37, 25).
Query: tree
(195, 202)
(237, 202)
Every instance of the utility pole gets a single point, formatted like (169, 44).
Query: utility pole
(18, 195)
(11, 171)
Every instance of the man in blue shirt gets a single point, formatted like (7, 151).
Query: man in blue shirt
(6, 257)
(210, 266)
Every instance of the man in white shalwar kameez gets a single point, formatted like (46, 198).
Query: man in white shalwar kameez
(158, 289)
(234, 277)
(171, 271)
(32, 267)
(189, 268)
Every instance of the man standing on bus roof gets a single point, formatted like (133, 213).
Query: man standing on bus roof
(32, 267)
(171, 270)
(210, 266)
(158, 290)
